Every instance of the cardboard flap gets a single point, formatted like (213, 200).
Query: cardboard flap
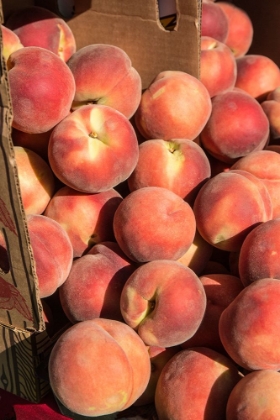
(19, 302)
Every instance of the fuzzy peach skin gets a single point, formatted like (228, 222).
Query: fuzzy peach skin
(93, 149)
(221, 290)
(87, 218)
(36, 180)
(240, 28)
(176, 164)
(198, 254)
(99, 367)
(52, 251)
(257, 74)
(229, 206)
(38, 26)
(11, 42)
(256, 396)
(274, 95)
(42, 89)
(159, 356)
(94, 284)
(218, 69)
(264, 164)
(38, 143)
(249, 326)
(195, 384)
(164, 301)
(154, 223)
(237, 126)
(258, 256)
(175, 105)
(213, 21)
(104, 75)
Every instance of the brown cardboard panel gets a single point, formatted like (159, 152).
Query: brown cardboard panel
(21, 354)
(19, 302)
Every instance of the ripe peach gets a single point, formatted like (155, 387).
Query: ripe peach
(226, 135)
(104, 75)
(154, 223)
(264, 164)
(11, 42)
(36, 180)
(255, 396)
(272, 111)
(222, 218)
(258, 257)
(93, 149)
(52, 251)
(99, 367)
(42, 89)
(94, 284)
(176, 105)
(221, 290)
(38, 26)
(177, 164)
(257, 75)
(249, 326)
(240, 28)
(87, 218)
(213, 21)
(166, 309)
(195, 384)
(218, 69)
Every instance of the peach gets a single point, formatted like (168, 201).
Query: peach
(272, 111)
(195, 384)
(258, 257)
(154, 223)
(240, 28)
(42, 89)
(99, 367)
(221, 290)
(52, 251)
(36, 180)
(38, 143)
(165, 309)
(198, 254)
(222, 218)
(11, 42)
(218, 69)
(104, 75)
(93, 149)
(176, 105)
(226, 135)
(87, 218)
(159, 356)
(94, 284)
(213, 21)
(274, 95)
(255, 396)
(177, 164)
(38, 26)
(249, 326)
(257, 75)
(264, 164)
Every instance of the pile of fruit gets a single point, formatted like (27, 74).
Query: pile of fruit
(154, 218)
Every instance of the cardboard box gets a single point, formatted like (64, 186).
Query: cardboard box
(134, 26)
